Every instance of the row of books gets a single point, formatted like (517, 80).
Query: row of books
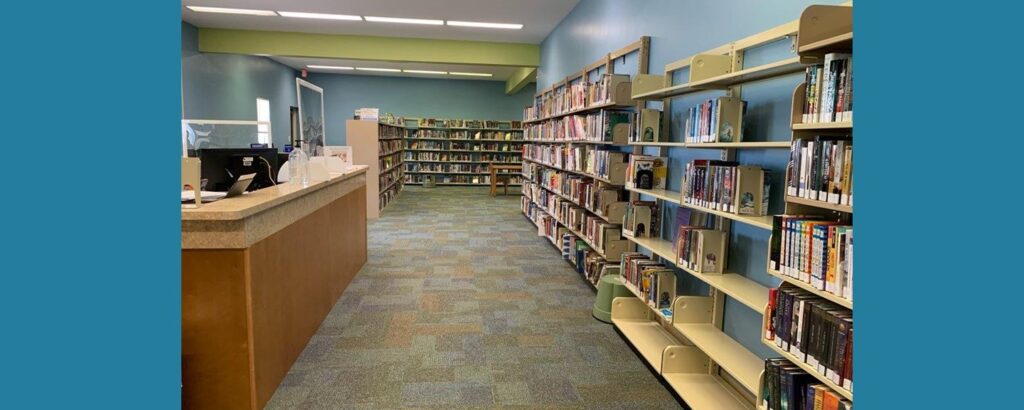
(388, 178)
(715, 120)
(458, 123)
(577, 96)
(589, 264)
(816, 331)
(388, 161)
(590, 160)
(516, 135)
(385, 147)
(829, 90)
(641, 219)
(654, 282)
(788, 387)
(612, 126)
(646, 172)
(450, 168)
(512, 157)
(484, 146)
(726, 186)
(700, 249)
(821, 169)
(815, 251)
(514, 179)
(547, 225)
(391, 132)
(596, 197)
(388, 195)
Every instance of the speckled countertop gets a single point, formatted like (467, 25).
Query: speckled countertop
(235, 223)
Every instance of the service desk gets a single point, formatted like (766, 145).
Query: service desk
(259, 273)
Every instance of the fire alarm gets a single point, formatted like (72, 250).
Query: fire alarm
(304, 73)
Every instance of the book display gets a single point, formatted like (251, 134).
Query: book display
(572, 168)
(807, 321)
(459, 152)
(380, 146)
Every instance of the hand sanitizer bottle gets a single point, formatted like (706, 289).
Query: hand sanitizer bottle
(298, 166)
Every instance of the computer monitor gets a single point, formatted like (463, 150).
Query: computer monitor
(222, 166)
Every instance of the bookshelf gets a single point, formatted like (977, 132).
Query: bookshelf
(702, 364)
(586, 94)
(459, 152)
(379, 146)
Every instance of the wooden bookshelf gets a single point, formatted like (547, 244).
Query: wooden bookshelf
(810, 370)
(831, 297)
(739, 287)
(554, 243)
(580, 173)
(513, 150)
(820, 204)
(383, 183)
(727, 80)
(823, 125)
(763, 222)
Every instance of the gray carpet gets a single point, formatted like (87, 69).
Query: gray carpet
(462, 305)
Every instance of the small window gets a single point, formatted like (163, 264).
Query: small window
(263, 117)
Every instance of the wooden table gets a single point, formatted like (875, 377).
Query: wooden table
(494, 176)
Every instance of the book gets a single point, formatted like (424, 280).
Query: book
(828, 95)
(646, 172)
(649, 126)
(715, 120)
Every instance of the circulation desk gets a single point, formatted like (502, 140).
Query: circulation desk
(259, 273)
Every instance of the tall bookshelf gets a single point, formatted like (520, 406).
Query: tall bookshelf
(459, 152)
(379, 146)
(688, 348)
(561, 195)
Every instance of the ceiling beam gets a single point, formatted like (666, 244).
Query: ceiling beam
(397, 49)
(519, 79)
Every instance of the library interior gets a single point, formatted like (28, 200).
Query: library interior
(517, 204)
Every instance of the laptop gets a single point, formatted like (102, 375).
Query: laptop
(237, 189)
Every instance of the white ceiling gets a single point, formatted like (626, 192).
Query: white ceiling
(538, 17)
(500, 73)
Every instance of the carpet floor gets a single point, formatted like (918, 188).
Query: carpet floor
(462, 305)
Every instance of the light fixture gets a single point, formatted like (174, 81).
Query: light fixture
(404, 20)
(321, 16)
(328, 67)
(485, 25)
(384, 70)
(424, 72)
(250, 12)
(472, 74)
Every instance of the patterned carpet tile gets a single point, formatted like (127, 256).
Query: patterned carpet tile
(461, 305)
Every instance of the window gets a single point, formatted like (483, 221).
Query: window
(263, 117)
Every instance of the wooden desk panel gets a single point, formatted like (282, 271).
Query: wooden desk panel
(248, 313)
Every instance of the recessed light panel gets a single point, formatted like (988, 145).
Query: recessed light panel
(320, 16)
(404, 20)
(472, 74)
(224, 10)
(425, 72)
(328, 67)
(507, 26)
(384, 70)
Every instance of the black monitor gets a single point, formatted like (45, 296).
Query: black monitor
(222, 166)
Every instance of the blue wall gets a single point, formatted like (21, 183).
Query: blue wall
(226, 86)
(415, 97)
(680, 28)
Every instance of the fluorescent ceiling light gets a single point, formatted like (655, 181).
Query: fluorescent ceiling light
(485, 25)
(202, 9)
(321, 16)
(328, 67)
(472, 74)
(386, 70)
(425, 72)
(404, 20)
